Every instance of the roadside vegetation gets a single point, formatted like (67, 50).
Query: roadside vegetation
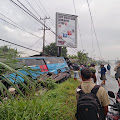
(56, 104)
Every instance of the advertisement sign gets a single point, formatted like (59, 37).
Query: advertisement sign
(66, 30)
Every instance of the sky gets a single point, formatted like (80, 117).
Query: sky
(105, 44)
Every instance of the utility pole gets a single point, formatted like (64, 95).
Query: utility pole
(59, 51)
(44, 29)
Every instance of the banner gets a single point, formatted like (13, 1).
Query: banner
(66, 30)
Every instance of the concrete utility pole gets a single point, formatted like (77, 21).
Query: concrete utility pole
(44, 29)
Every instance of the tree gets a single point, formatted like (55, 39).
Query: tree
(82, 57)
(52, 50)
(8, 56)
(73, 56)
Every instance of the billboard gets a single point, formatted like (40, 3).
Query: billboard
(66, 30)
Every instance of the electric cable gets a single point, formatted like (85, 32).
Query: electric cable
(94, 27)
(19, 27)
(27, 13)
(78, 25)
(33, 16)
(32, 8)
(52, 22)
(32, 45)
(19, 45)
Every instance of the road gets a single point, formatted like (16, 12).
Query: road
(111, 83)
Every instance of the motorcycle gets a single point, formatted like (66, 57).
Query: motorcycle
(113, 109)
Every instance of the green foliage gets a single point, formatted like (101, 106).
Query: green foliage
(49, 83)
(52, 50)
(57, 104)
(30, 83)
(82, 57)
(73, 56)
(9, 62)
(8, 56)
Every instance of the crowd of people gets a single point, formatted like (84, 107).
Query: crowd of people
(88, 91)
(92, 68)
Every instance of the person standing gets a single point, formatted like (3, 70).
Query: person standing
(87, 88)
(117, 74)
(108, 68)
(103, 76)
(75, 68)
(93, 71)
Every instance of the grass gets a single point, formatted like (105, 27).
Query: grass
(56, 104)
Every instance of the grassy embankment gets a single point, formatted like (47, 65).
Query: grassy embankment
(56, 104)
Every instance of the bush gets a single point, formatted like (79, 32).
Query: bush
(49, 83)
(56, 104)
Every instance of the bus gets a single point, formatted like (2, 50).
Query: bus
(35, 66)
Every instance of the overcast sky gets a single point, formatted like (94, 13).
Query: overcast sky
(106, 19)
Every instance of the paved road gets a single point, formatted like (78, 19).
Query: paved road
(111, 83)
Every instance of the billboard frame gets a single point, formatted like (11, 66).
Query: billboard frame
(68, 45)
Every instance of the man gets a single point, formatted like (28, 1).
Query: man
(103, 76)
(87, 85)
(117, 77)
(108, 68)
(75, 68)
(93, 71)
(117, 74)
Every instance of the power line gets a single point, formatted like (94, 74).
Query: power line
(28, 16)
(78, 24)
(40, 19)
(43, 11)
(33, 16)
(36, 11)
(28, 11)
(92, 36)
(32, 44)
(19, 27)
(31, 19)
(94, 28)
(52, 22)
(19, 45)
(32, 7)
(39, 6)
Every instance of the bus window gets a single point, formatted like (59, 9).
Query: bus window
(42, 65)
(30, 62)
(54, 60)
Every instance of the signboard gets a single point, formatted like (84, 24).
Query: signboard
(66, 30)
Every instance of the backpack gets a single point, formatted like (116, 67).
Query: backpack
(88, 106)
